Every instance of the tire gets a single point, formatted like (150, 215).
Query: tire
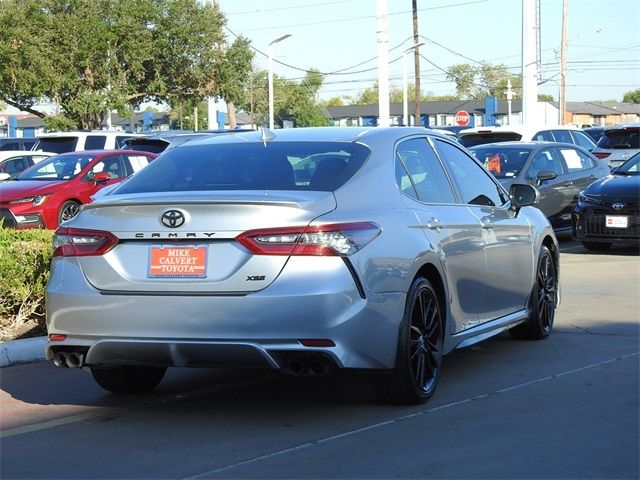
(542, 303)
(128, 379)
(596, 246)
(68, 210)
(419, 353)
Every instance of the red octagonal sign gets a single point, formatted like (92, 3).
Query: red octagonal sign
(462, 118)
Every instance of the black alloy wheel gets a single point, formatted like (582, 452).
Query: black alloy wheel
(543, 301)
(68, 210)
(419, 356)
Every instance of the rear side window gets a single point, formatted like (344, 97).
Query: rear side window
(10, 146)
(473, 139)
(420, 174)
(57, 144)
(137, 162)
(544, 136)
(320, 166)
(95, 142)
(620, 139)
(563, 136)
(583, 140)
(576, 160)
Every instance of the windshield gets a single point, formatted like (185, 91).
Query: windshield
(320, 166)
(473, 139)
(614, 139)
(60, 167)
(56, 144)
(631, 166)
(502, 162)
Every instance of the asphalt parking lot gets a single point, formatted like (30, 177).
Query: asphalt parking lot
(567, 407)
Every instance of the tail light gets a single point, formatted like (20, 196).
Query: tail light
(601, 154)
(77, 242)
(342, 239)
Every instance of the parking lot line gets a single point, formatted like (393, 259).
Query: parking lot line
(406, 417)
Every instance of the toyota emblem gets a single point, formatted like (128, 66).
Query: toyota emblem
(618, 205)
(173, 218)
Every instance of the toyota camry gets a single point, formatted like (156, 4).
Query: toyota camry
(303, 251)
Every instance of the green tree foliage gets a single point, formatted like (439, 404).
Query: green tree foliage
(296, 101)
(368, 96)
(543, 97)
(91, 56)
(333, 102)
(478, 82)
(632, 96)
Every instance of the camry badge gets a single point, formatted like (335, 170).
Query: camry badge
(618, 205)
(173, 218)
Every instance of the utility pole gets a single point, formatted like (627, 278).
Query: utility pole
(383, 63)
(416, 60)
(529, 63)
(562, 103)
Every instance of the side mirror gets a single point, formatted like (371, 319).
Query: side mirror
(523, 195)
(101, 177)
(4, 177)
(545, 175)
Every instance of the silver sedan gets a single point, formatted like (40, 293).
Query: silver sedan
(301, 250)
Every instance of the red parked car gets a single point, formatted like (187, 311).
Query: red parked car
(52, 191)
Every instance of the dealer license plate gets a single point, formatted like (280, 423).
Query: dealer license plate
(177, 262)
(615, 221)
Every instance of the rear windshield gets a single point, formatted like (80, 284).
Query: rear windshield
(320, 166)
(502, 162)
(57, 144)
(142, 145)
(614, 139)
(474, 139)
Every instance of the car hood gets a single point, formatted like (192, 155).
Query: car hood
(17, 189)
(623, 186)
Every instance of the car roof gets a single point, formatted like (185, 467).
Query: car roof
(102, 152)
(623, 126)
(84, 133)
(520, 129)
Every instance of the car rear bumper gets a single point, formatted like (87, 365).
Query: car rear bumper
(313, 299)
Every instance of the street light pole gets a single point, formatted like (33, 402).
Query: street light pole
(405, 99)
(270, 67)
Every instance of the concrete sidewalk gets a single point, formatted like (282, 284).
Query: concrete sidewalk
(22, 351)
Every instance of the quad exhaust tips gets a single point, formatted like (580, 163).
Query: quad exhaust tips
(68, 360)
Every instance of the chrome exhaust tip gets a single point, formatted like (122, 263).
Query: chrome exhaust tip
(59, 360)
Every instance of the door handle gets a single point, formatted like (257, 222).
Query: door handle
(435, 224)
(486, 224)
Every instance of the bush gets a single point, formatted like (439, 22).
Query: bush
(25, 258)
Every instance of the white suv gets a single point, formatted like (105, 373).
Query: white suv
(526, 133)
(62, 142)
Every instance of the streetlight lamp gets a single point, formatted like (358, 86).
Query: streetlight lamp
(405, 100)
(270, 67)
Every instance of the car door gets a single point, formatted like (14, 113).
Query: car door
(113, 165)
(507, 236)
(556, 194)
(448, 226)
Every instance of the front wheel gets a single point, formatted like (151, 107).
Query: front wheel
(419, 355)
(128, 379)
(542, 304)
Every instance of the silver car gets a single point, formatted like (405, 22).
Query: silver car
(301, 250)
(618, 144)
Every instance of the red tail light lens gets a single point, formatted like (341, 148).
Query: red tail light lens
(601, 154)
(342, 239)
(77, 242)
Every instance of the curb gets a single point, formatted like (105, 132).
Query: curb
(22, 351)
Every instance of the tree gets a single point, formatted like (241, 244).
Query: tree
(368, 96)
(477, 83)
(632, 96)
(333, 102)
(92, 56)
(543, 97)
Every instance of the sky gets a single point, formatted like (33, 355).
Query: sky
(340, 35)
